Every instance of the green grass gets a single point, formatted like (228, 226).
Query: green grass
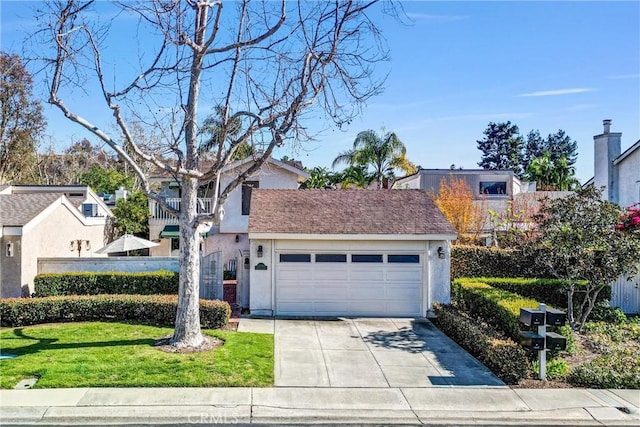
(122, 355)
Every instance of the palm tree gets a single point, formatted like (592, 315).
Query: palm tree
(385, 153)
(220, 132)
(542, 171)
(355, 176)
(552, 175)
(565, 175)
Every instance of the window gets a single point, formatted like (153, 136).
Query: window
(403, 259)
(331, 258)
(295, 257)
(247, 186)
(493, 187)
(175, 243)
(366, 258)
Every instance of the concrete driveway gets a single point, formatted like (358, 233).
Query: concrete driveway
(368, 353)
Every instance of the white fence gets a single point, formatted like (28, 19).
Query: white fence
(625, 293)
(159, 216)
(125, 264)
(211, 286)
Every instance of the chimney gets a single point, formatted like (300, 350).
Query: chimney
(606, 150)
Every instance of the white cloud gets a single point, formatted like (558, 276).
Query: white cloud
(558, 92)
(440, 18)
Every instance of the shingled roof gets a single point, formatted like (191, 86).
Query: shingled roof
(383, 212)
(20, 209)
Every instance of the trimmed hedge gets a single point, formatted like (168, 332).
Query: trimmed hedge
(506, 359)
(499, 308)
(154, 309)
(549, 291)
(95, 283)
(477, 261)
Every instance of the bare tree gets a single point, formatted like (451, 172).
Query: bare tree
(262, 65)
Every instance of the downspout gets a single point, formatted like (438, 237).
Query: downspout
(273, 277)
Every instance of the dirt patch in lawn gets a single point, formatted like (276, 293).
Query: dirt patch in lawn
(209, 343)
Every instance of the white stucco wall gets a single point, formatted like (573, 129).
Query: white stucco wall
(412, 182)
(439, 273)
(51, 237)
(261, 281)
(436, 287)
(628, 177)
(606, 149)
(269, 177)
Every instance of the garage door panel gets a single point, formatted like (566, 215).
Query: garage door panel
(368, 275)
(414, 275)
(400, 308)
(308, 292)
(293, 273)
(328, 274)
(349, 289)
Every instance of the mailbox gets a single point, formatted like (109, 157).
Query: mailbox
(531, 340)
(531, 317)
(556, 317)
(556, 341)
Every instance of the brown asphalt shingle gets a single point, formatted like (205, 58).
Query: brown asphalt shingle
(345, 212)
(19, 209)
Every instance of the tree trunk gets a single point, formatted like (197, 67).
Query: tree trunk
(187, 331)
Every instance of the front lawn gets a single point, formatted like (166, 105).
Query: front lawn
(123, 355)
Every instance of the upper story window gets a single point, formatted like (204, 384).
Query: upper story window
(493, 187)
(247, 186)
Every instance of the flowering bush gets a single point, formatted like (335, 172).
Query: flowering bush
(630, 220)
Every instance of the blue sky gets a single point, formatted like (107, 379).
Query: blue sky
(459, 65)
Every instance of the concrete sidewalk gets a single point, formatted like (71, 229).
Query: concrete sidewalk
(301, 405)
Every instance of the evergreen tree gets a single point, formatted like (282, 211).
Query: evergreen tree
(502, 148)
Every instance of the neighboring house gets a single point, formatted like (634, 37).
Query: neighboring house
(46, 221)
(230, 236)
(493, 190)
(347, 253)
(619, 173)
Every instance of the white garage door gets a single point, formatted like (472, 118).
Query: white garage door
(349, 283)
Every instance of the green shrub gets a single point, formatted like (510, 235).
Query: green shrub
(549, 291)
(477, 261)
(620, 369)
(603, 312)
(499, 308)
(506, 359)
(557, 369)
(154, 309)
(94, 283)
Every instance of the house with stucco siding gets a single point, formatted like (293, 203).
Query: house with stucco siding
(46, 221)
(229, 239)
(617, 172)
(381, 253)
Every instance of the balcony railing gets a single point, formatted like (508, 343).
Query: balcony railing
(159, 216)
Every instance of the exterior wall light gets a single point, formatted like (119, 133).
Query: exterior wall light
(260, 251)
(440, 252)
